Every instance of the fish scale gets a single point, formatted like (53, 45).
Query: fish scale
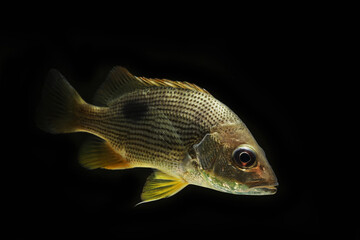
(180, 124)
(177, 128)
(186, 118)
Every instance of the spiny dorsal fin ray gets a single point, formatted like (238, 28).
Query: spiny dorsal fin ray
(161, 185)
(121, 81)
(169, 83)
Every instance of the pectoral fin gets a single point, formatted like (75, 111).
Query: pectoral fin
(161, 185)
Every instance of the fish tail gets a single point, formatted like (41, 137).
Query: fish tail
(58, 109)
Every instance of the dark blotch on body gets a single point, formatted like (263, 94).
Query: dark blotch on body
(134, 110)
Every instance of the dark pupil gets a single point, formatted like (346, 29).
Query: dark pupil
(244, 157)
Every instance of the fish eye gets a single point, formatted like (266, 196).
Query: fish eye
(244, 157)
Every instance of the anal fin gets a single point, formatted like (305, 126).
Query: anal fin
(97, 153)
(161, 185)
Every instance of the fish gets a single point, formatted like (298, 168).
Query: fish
(176, 128)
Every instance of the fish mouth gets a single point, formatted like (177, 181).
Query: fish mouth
(264, 189)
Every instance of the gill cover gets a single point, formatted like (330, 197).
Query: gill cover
(207, 151)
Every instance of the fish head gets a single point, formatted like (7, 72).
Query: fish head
(231, 161)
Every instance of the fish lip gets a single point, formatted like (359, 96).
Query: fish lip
(260, 184)
(268, 189)
(258, 188)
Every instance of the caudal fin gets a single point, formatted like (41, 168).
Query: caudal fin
(57, 112)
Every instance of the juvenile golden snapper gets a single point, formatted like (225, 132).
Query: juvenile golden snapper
(176, 128)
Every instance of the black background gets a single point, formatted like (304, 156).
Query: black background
(270, 80)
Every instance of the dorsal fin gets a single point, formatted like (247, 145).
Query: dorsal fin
(121, 81)
(118, 82)
(169, 83)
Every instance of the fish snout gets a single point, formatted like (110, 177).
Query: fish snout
(263, 180)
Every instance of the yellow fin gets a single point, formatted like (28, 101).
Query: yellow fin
(121, 81)
(169, 83)
(97, 153)
(161, 185)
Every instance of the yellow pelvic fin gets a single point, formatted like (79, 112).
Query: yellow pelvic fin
(161, 185)
(97, 153)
